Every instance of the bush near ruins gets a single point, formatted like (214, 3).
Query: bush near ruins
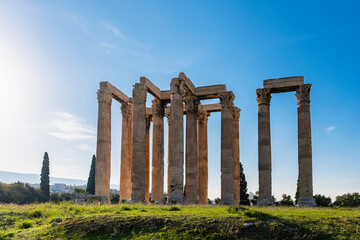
(349, 200)
(322, 201)
(20, 193)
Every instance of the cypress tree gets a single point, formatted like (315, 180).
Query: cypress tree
(45, 177)
(244, 196)
(90, 188)
(297, 192)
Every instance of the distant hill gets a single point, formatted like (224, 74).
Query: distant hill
(11, 177)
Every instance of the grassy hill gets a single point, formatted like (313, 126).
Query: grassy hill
(71, 221)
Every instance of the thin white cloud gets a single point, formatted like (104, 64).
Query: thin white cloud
(86, 147)
(107, 47)
(68, 127)
(329, 129)
(115, 31)
(79, 21)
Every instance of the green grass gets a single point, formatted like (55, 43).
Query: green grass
(135, 221)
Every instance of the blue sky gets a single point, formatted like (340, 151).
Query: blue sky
(54, 54)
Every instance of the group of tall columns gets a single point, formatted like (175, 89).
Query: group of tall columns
(135, 147)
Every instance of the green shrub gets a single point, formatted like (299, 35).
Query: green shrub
(125, 208)
(322, 201)
(35, 214)
(25, 224)
(174, 208)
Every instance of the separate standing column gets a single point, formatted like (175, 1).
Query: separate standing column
(236, 154)
(138, 171)
(176, 142)
(191, 104)
(304, 147)
(103, 146)
(202, 164)
(263, 97)
(227, 196)
(147, 165)
(157, 186)
(126, 152)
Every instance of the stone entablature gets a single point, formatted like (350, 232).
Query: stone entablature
(183, 98)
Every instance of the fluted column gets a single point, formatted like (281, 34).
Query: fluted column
(167, 115)
(191, 104)
(227, 196)
(263, 97)
(157, 186)
(202, 164)
(304, 147)
(176, 142)
(103, 146)
(147, 165)
(138, 169)
(126, 152)
(236, 154)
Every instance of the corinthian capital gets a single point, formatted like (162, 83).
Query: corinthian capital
(227, 99)
(263, 96)
(202, 115)
(104, 95)
(148, 120)
(157, 107)
(191, 104)
(303, 94)
(139, 93)
(236, 113)
(126, 110)
(176, 86)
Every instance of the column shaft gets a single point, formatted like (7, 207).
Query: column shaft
(147, 165)
(227, 196)
(157, 186)
(176, 144)
(264, 147)
(202, 164)
(126, 152)
(305, 147)
(138, 166)
(103, 146)
(191, 150)
(236, 154)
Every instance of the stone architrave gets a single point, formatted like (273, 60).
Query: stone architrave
(157, 186)
(176, 142)
(126, 152)
(236, 158)
(202, 164)
(138, 170)
(147, 165)
(191, 105)
(227, 195)
(263, 97)
(304, 147)
(103, 147)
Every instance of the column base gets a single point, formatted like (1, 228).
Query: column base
(306, 202)
(191, 201)
(227, 202)
(265, 202)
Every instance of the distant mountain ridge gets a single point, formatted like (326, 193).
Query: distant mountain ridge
(11, 177)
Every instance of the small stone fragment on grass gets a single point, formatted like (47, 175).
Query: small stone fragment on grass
(53, 224)
(58, 220)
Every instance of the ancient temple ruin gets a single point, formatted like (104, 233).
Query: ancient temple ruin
(263, 96)
(182, 98)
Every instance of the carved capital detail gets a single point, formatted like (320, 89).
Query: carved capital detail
(191, 104)
(202, 115)
(148, 121)
(303, 94)
(176, 86)
(104, 95)
(157, 107)
(263, 96)
(126, 110)
(139, 94)
(236, 113)
(227, 99)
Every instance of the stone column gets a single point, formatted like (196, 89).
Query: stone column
(103, 146)
(167, 115)
(176, 142)
(202, 164)
(263, 97)
(157, 186)
(126, 152)
(236, 154)
(304, 147)
(138, 170)
(227, 196)
(147, 165)
(191, 104)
